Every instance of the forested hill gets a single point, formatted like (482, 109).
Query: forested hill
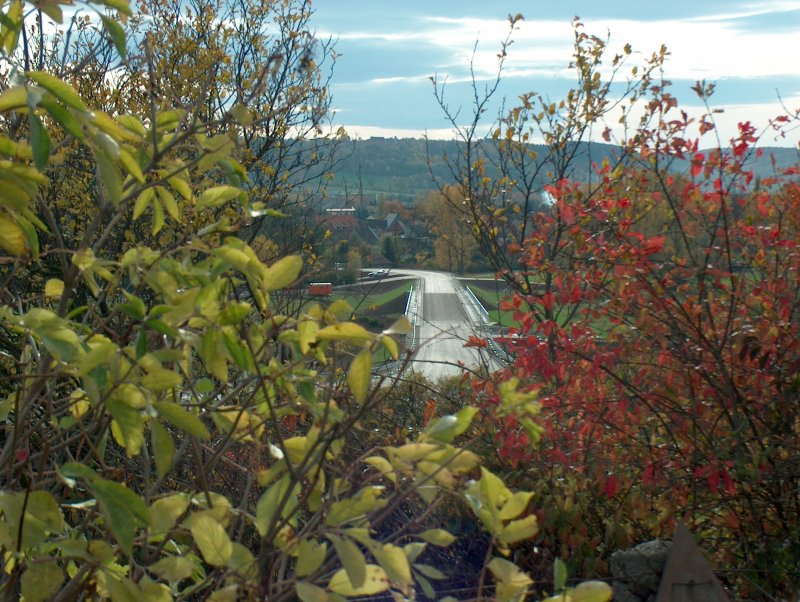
(400, 167)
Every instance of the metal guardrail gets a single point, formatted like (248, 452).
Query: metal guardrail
(483, 321)
(412, 311)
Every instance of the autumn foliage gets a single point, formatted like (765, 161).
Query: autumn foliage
(655, 303)
(661, 330)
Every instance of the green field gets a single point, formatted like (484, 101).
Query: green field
(490, 299)
(376, 305)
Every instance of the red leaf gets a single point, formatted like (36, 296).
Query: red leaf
(474, 341)
(612, 484)
(697, 164)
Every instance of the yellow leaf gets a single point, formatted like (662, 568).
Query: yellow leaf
(383, 466)
(310, 556)
(12, 237)
(130, 163)
(13, 98)
(517, 530)
(308, 592)
(282, 273)
(212, 540)
(54, 288)
(400, 326)
(375, 582)
(391, 346)
(438, 537)
(359, 375)
(58, 88)
(142, 202)
(591, 591)
(345, 331)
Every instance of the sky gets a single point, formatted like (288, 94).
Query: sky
(388, 50)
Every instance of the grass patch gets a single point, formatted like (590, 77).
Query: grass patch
(490, 298)
(377, 307)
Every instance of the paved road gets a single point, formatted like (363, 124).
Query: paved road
(445, 318)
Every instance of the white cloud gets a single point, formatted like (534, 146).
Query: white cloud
(715, 47)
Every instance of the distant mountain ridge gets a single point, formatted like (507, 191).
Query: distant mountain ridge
(398, 167)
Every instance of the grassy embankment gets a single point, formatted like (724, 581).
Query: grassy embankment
(490, 298)
(377, 306)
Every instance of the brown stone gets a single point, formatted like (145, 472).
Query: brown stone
(688, 576)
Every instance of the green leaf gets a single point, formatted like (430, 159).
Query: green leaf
(40, 141)
(53, 11)
(430, 572)
(14, 98)
(169, 202)
(212, 540)
(161, 379)
(427, 588)
(559, 575)
(41, 581)
(122, 6)
(234, 313)
(375, 582)
(238, 259)
(55, 333)
(129, 424)
(163, 447)
(135, 307)
(173, 568)
(15, 149)
(143, 202)
(243, 562)
(158, 217)
(166, 511)
(12, 25)
(352, 559)
(42, 506)
(132, 165)
(182, 186)
(438, 537)
(447, 428)
(346, 332)
(109, 176)
(58, 88)
(365, 501)
(241, 114)
(184, 420)
(239, 352)
(359, 375)
(123, 510)
(63, 116)
(268, 503)
(216, 196)
(310, 555)
(282, 273)
(310, 593)
(116, 33)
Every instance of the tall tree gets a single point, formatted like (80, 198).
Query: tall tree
(454, 242)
